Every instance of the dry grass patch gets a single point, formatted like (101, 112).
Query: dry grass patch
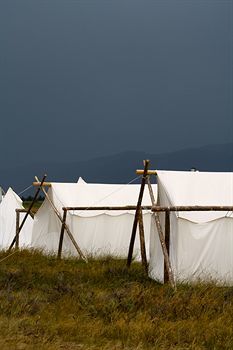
(68, 304)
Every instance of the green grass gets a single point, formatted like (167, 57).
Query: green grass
(68, 304)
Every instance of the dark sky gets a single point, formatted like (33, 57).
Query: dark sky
(80, 79)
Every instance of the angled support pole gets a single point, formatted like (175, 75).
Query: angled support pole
(155, 217)
(137, 213)
(64, 223)
(16, 238)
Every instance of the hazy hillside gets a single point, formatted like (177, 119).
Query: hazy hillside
(120, 168)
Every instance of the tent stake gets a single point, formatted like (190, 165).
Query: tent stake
(155, 216)
(65, 225)
(27, 213)
(62, 234)
(133, 235)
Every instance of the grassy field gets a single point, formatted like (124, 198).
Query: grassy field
(68, 304)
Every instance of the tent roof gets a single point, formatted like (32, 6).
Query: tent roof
(90, 195)
(11, 195)
(81, 180)
(197, 188)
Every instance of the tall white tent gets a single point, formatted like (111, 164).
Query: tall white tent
(201, 243)
(10, 202)
(96, 232)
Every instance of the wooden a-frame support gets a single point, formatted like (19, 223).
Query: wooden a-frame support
(40, 185)
(164, 239)
(64, 227)
(18, 229)
(139, 220)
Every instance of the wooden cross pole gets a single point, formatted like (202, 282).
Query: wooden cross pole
(137, 213)
(27, 213)
(65, 225)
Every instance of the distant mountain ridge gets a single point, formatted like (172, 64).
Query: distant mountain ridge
(120, 168)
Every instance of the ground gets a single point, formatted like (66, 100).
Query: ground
(68, 304)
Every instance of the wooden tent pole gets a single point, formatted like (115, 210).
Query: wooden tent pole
(139, 203)
(142, 241)
(167, 242)
(62, 234)
(125, 207)
(28, 212)
(161, 238)
(193, 208)
(65, 225)
(17, 230)
(24, 211)
(18, 211)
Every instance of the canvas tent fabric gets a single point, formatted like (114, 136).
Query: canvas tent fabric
(81, 181)
(201, 243)
(11, 201)
(1, 194)
(97, 232)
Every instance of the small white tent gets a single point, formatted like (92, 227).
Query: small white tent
(97, 232)
(1, 194)
(201, 243)
(10, 202)
(81, 181)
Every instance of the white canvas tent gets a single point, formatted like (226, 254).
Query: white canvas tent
(10, 202)
(96, 232)
(201, 243)
(1, 194)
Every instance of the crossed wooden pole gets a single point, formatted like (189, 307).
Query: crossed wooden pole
(16, 238)
(64, 227)
(164, 240)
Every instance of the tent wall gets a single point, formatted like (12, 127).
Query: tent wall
(96, 232)
(201, 247)
(97, 235)
(197, 251)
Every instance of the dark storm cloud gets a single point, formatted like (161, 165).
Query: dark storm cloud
(87, 78)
